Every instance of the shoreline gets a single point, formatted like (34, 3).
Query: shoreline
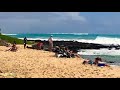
(30, 63)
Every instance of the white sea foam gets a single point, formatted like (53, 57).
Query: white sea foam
(72, 33)
(112, 52)
(80, 33)
(47, 39)
(8, 34)
(102, 40)
(98, 40)
(59, 33)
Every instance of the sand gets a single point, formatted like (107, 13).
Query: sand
(29, 63)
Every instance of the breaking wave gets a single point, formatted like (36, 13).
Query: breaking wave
(8, 34)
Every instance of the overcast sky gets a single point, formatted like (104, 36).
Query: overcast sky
(60, 22)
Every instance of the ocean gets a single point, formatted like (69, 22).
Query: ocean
(80, 37)
(106, 39)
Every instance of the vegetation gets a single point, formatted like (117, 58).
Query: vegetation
(12, 39)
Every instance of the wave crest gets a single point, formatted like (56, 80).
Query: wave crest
(72, 33)
(102, 40)
(8, 34)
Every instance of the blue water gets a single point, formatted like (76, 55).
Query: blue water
(75, 36)
(56, 36)
(80, 37)
(106, 58)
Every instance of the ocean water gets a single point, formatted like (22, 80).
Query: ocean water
(106, 39)
(80, 37)
(106, 55)
(106, 58)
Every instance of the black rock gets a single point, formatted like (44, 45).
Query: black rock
(73, 45)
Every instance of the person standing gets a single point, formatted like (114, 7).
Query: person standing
(25, 42)
(50, 43)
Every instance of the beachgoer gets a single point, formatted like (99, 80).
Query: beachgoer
(13, 48)
(86, 61)
(57, 49)
(50, 43)
(73, 54)
(39, 45)
(25, 42)
(90, 62)
(97, 60)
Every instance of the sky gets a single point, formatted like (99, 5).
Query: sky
(60, 22)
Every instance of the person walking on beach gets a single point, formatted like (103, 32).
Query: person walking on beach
(25, 42)
(50, 43)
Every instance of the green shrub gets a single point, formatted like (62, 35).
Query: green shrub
(12, 39)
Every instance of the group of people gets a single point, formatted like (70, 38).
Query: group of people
(39, 45)
(61, 51)
(14, 47)
(98, 62)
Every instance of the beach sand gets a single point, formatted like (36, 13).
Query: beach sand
(29, 63)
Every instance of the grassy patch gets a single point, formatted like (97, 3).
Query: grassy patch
(12, 39)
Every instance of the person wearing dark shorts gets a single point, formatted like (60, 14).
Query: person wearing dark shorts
(25, 42)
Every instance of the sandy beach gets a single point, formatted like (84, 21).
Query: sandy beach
(29, 63)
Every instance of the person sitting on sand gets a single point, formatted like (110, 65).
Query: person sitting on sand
(39, 45)
(42, 46)
(64, 52)
(90, 62)
(69, 53)
(57, 50)
(13, 48)
(61, 52)
(97, 60)
(73, 54)
(101, 63)
(86, 61)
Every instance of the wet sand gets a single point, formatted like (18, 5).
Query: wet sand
(29, 63)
